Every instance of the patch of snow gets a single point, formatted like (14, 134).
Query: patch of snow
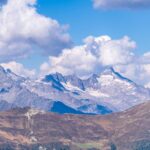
(70, 87)
(96, 93)
(33, 112)
(105, 79)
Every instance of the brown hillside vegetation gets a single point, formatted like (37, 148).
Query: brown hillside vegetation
(29, 129)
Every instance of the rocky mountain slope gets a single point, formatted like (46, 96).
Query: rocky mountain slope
(99, 94)
(30, 129)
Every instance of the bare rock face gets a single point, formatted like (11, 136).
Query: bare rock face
(31, 129)
(99, 94)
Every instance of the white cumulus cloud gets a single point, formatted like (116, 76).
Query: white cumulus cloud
(23, 29)
(137, 70)
(113, 4)
(111, 52)
(71, 61)
(91, 57)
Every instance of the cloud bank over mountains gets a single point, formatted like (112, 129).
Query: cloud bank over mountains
(99, 52)
(119, 4)
(23, 30)
(95, 53)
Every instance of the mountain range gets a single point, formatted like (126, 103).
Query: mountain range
(104, 93)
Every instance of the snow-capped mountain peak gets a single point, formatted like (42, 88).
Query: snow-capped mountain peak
(7, 74)
(110, 71)
(108, 76)
(109, 89)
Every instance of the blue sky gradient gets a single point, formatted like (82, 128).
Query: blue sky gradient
(84, 20)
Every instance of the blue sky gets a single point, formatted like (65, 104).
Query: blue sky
(84, 20)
